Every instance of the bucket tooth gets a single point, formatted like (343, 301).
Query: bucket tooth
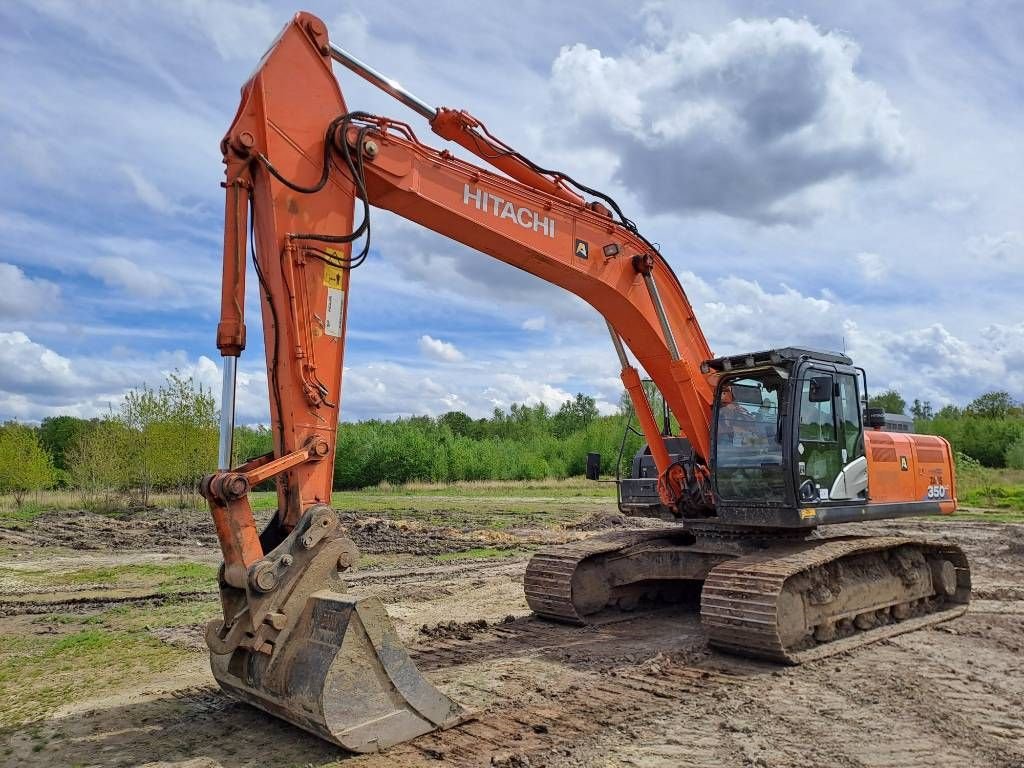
(342, 674)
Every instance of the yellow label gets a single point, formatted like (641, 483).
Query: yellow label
(806, 513)
(333, 276)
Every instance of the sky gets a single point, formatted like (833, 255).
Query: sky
(837, 175)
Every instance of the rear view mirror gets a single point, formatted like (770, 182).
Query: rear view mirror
(593, 466)
(821, 389)
(874, 417)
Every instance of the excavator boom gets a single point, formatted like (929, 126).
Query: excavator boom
(302, 172)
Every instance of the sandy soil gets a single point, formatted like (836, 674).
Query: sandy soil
(646, 692)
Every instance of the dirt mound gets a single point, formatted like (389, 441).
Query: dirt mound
(459, 630)
(145, 529)
(162, 529)
(376, 536)
(602, 521)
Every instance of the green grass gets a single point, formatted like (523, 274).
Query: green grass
(980, 515)
(167, 579)
(995, 497)
(1001, 490)
(480, 553)
(45, 501)
(38, 674)
(14, 516)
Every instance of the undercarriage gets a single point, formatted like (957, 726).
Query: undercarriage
(787, 598)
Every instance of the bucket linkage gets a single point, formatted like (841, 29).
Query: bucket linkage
(297, 645)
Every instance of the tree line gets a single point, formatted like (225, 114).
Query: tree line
(165, 440)
(989, 429)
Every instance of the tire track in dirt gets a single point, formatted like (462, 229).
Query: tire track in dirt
(530, 724)
(546, 691)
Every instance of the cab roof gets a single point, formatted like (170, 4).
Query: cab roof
(782, 356)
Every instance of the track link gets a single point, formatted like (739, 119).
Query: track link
(549, 574)
(747, 603)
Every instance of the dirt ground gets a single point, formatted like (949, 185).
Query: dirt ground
(646, 692)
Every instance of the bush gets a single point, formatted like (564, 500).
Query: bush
(1015, 454)
(984, 438)
(24, 465)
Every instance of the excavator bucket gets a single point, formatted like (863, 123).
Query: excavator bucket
(343, 674)
(297, 645)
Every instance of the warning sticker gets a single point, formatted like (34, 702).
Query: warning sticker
(335, 305)
(332, 276)
(583, 249)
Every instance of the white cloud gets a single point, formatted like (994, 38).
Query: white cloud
(440, 350)
(1005, 247)
(148, 192)
(755, 121)
(932, 363)
(119, 272)
(872, 267)
(739, 315)
(761, 120)
(234, 27)
(534, 324)
(36, 381)
(30, 368)
(23, 296)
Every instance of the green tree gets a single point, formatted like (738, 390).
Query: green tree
(58, 433)
(251, 442)
(891, 401)
(458, 422)
(921, 411)
(147, 446)
(186, 436)
(575, 415)
(992, 405)
(98, 461)
(164, 438)
(949, 411)
(24, 465)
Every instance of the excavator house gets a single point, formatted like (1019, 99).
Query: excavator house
(771, 446)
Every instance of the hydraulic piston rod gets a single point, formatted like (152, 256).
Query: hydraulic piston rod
(227, 412)
(659, 308)
(386, 84)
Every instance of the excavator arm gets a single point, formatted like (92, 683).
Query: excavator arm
(302, 162)
(302, 172)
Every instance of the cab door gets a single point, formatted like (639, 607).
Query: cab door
(830, 461)
(819, 453)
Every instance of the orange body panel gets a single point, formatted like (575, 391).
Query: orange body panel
(906, 467)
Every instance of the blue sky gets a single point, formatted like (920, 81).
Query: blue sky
(834, 174)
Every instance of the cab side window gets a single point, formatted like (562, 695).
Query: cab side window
(849, 417)
(817, 421)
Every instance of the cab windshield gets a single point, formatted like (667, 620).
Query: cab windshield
(748, 446)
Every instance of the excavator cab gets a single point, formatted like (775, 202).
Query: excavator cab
(790, 441)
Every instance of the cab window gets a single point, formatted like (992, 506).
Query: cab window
(817, 421)
(748, 447)
(849, 417)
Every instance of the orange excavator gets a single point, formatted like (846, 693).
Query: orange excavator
(771, 445)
